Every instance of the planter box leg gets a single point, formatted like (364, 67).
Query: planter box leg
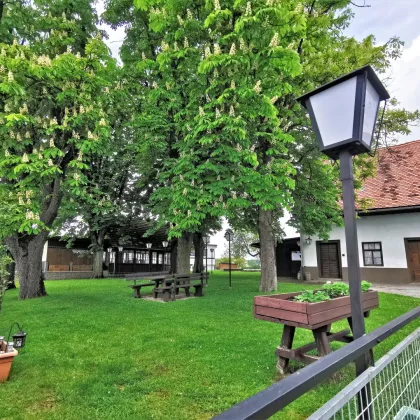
(321, 340)
(286, 343)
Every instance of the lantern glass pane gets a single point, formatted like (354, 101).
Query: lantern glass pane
(371, 111)
(334, 112)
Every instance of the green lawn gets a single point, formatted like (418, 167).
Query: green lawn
(94, 352)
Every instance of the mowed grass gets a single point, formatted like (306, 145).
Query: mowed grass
(95, 352)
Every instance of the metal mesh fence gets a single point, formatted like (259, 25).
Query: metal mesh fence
(389, 390)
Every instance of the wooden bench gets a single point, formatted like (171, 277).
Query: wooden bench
(172, 283)
(150, 277)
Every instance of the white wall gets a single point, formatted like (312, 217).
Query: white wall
(390, 229)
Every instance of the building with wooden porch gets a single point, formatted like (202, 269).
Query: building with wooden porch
(125, 251)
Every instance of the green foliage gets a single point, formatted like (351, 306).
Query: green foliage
(312, 296)
(366, 286)
(54, 116)
(253, 264)
(336, 289)
(211, 85)
(330, 291)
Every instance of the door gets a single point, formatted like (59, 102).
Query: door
(328, 256)
(412, 247)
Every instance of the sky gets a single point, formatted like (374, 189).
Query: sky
(384, 19)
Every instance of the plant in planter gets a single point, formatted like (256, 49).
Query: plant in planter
(313, 310)
(329, 291)
(6, 357)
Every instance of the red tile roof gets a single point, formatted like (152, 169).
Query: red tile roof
(397, 181)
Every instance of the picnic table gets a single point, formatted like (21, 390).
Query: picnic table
(168, 285)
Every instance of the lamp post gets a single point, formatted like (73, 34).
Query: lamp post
(206, 240)
(343, 114)
(117, 257)
(165, 245)
(229, 236)
(149, 247)
(211, 259)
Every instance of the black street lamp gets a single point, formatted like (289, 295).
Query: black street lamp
(211, 259)
(206, 240)
(229, 236)
(343, 114)
(165, 246)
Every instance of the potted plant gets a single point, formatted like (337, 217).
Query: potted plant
(312, 309)
(6, 355)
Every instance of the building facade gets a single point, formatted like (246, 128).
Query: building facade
(211, 258)
(388, 232)
(389, 250)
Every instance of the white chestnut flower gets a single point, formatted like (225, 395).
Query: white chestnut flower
(275, 40)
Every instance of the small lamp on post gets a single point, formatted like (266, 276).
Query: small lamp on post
(149, 247)
(165, 246)
(206, 240)
(308, 240)
(343, 114)
(229, 236)
(109, 251)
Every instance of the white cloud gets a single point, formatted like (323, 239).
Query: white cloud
(405, 82)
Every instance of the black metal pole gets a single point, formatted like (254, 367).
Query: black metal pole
(357, 313)
(150, 260)
(206, 258)
(230, 267)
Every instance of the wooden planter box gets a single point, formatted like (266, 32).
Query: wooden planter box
(6, 360)
(281, 309)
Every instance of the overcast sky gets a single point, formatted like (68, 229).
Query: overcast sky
(384, 19)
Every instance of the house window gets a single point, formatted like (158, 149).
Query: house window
(372, 253)
(154, 257)
(128, 257)
(142, 257)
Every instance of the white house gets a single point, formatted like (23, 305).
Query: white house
(388, 234)
(211, 257)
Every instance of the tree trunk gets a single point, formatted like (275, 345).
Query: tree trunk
(27, 254)
(174, 255)
(199, 253)
(268, 252)
(97, 263)
(183, 253)
(97, 242)
(11, 281)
